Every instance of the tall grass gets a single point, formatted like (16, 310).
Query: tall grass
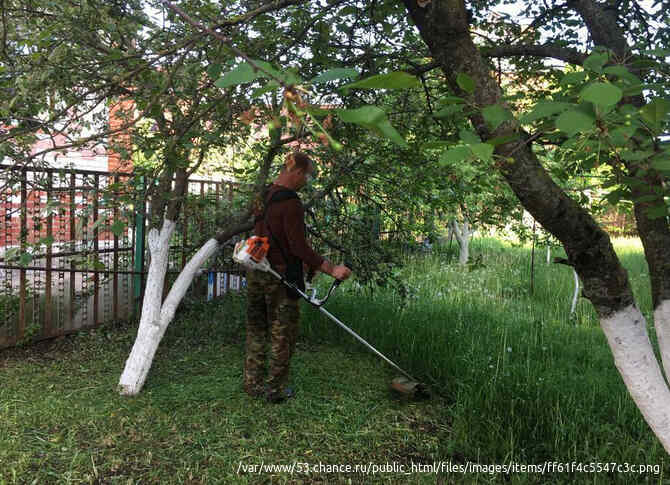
(528, 381)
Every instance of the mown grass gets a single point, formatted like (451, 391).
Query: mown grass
(514, 379)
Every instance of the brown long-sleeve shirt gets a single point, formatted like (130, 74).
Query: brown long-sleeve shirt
(286, 219)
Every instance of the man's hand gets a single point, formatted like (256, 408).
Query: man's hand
(341, 272)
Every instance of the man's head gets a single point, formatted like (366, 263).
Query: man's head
(298, 170)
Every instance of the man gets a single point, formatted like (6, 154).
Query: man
(271, 306)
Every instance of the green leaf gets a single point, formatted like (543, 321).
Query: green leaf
(245, 73)
(633, 90)
(334, 74)
(657, 212)
(435, 145)
(242, 74)
(469, 137)
(622, 73)
(271, 86)
(118, 228)
(655, 111)
(452, 100)
(317, 110)
(661, 164)
(465, 82)
(47, 240)
(495, 115)
(392, 80)
(25, 259)
(544, 109)
(602, 94)
(647, 198)
(455, 155)
(288, 76)
(449, 110)
(214, 70)
(614, 197)
(634, 156)
(596, 61)
(365, 115)
(372, 118)
(573, 122)
(657, 52)
(622, 134)
(502, 139)
(573, 78)
(483, 151)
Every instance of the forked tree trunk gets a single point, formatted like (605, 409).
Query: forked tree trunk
(156, 316)
(445, 28)
(463, 233)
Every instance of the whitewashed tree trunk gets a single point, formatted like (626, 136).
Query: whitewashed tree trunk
(575, 295)
(626, 333)
(463, 233)
(662, 325)
(548, 254)
(156, 316)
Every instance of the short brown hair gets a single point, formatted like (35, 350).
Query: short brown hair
(301, 161)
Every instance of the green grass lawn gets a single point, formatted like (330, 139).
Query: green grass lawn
(515, 379)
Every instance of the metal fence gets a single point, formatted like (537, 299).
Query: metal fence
(72, 248)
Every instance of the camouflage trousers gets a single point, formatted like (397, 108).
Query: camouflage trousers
(269, 311)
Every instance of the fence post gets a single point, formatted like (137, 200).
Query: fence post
(139, 247)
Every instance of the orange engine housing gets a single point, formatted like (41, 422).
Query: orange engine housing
(258, 247)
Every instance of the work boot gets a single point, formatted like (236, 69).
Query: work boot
(276, 397)
(253, 391)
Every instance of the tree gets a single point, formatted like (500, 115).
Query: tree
(445, 27)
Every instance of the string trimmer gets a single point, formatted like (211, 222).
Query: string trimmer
(252, 255)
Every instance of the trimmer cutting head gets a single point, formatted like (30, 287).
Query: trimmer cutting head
(412, 389)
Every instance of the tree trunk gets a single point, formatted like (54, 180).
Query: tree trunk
(158, 317)
(626, 333)
(601, 22)
(443, 25)
(463, 233)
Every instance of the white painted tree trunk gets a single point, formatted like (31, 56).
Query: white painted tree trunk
(626, 333)
(463, 233)
(156, 315)
(575, 295)
(548, 254)
(662, 325)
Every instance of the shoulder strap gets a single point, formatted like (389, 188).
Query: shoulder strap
(279, 196)
(282, 195)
